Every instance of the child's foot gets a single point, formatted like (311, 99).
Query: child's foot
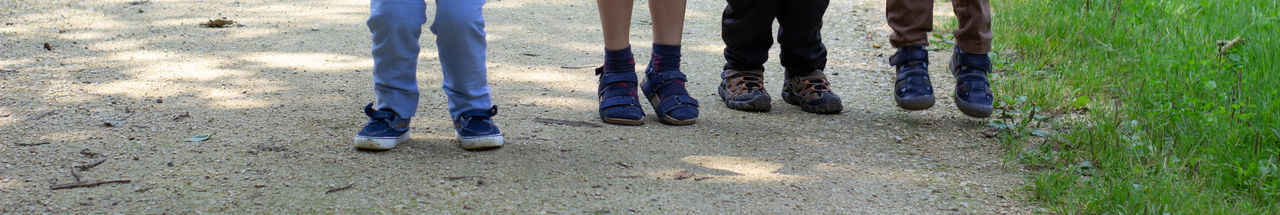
(973, 92)
(664, 86)
(912, 90)
(812, 93)
(384, 130)
(744, 90)
(476, 130)
(619, 102)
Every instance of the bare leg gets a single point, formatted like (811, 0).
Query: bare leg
(615, 19)
(668, 20)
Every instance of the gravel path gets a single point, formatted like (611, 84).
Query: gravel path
(125, 81)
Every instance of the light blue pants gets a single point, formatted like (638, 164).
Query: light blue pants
(460, 37)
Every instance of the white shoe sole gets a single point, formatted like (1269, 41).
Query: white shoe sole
(379, 143)
(480, 143)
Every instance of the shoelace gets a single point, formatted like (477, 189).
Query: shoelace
(816, 86)
(749, 82)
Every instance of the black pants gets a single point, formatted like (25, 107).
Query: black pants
(746, 29)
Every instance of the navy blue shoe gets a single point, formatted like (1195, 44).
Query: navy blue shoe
(476, 130)
(912, 89)
(384, 130)
(666, 92)
(973, 91)
(619, 102)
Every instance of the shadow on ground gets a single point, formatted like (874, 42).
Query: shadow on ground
(126, 80)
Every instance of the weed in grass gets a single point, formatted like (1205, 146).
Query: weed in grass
(1176, 103)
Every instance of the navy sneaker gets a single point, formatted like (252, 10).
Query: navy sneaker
(912, 89)
(476, 130)
(973, 92)
(384, 130)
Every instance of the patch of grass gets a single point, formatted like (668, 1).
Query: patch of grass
(1140, 111)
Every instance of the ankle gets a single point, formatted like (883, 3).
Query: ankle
(620, 59)
(665, 57)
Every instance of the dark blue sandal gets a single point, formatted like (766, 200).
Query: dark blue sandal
(912, 89)
(667, 94)
(619, 103)
(973, 91)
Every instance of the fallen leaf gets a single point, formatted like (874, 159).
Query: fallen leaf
(1226, 45)
(198, 138)
(990, 132)
(219, 23)
(683, 174)
(181, 116)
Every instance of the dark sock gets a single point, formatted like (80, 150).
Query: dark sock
(619, 60)
(665, 57)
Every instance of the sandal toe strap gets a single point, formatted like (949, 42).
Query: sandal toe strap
(669, 103)
(618, 101)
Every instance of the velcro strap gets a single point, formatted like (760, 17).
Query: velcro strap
(670, 102)
(670, 76)
(610, 78)
(912, 74)
(670, 89)
(619, 101)
(975, 62)
(908, 55)
(971, 77)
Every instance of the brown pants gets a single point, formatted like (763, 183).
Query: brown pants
(912, 20)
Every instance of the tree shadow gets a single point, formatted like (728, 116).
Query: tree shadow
(282, 96)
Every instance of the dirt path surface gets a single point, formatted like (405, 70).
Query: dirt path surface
(124, 81)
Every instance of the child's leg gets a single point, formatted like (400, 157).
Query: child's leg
(668, 21)
(969, 62)
(800, 34)
(974, 34)
(396, 26)
(746, 28)
(668, 25)
(747, 31)
(804, 57)
(911, 20)
(664, 83)
(460, 36)
(615, 19)
(619, 103)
